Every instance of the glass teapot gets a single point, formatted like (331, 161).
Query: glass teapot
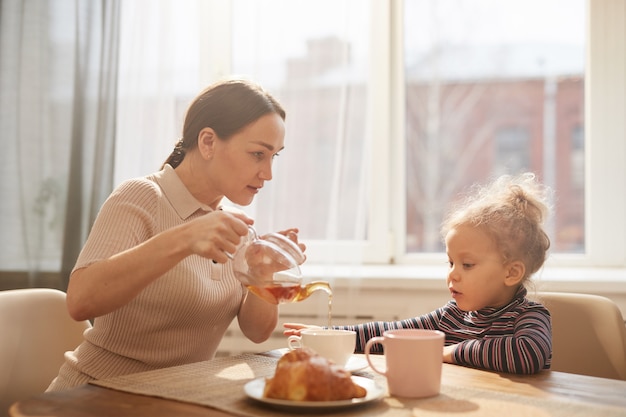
(269, 267)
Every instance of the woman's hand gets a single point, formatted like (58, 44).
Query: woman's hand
(292, 234)
(263, 260)
(293, 329)
(216, 235)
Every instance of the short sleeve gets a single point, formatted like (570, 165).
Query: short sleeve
(126, 219)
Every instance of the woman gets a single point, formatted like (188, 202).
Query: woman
(155, 273)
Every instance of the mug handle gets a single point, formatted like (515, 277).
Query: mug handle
(294, 342)
(368, 346)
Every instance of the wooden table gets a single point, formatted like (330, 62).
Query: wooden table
(94, 401)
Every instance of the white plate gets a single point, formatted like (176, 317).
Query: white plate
(356, 363)
(254, 389)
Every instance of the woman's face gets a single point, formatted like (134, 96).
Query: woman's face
(476, 275)
(241, 165)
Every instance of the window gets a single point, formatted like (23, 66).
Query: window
(486, 95)
(321, 75)
(393, 107)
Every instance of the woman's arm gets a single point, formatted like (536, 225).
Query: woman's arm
(257, 318)
(111, 283)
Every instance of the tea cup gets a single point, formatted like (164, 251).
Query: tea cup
(414, 359)
(333, 344)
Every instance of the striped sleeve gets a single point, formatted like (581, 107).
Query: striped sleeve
(525, 350)
(366, 331)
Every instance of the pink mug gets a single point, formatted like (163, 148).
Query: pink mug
(414, 359)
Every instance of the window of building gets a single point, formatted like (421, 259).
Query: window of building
(488, 95)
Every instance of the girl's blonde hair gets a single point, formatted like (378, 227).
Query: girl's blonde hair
(512, 210)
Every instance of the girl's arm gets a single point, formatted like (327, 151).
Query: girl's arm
(526, 351)
(366, 331)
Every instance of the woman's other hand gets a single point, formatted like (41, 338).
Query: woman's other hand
(292, 234)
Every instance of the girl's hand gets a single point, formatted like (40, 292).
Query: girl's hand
(293, 329)
(448, 353)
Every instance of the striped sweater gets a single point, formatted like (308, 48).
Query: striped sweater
(516, 338)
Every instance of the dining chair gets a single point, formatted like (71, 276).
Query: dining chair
(588, 334)
(35, 332)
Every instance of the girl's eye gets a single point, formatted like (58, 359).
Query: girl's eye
(464, 265)
(275, 155)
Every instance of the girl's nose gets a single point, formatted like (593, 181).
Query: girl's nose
(453, 274)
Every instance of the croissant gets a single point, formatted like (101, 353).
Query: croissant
(303, 375)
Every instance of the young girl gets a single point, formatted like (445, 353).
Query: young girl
(494, 242)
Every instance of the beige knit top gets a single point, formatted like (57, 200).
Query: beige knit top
(179, 318)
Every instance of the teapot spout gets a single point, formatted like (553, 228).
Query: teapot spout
(311, 287)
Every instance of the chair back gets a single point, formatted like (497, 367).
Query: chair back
(35, 332)
(588, 334)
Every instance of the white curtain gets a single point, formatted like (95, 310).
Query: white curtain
(312, 55)
(58, 87)
(94, 92)
(159, 75)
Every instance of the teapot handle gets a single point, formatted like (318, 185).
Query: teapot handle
(252, 234)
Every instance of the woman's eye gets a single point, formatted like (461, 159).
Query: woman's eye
(258, 155)
(275, 155)
(467, 266)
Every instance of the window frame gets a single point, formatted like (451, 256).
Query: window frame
(605, 148)
(605, 135)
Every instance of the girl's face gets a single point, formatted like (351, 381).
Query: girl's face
(240, 165)
(477, 274)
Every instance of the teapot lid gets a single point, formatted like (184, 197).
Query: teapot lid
(273, 257)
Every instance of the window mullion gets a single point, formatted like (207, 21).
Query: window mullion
(605, 132)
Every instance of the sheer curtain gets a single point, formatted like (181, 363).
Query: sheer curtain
(94, 92)
(163, 65)
(320, 72)
(58, 62)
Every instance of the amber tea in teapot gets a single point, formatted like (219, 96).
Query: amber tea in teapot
(280, 292)
(277, 292)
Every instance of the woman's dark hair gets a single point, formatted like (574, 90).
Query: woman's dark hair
(226, 107)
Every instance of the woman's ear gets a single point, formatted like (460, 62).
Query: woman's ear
(516, 272)
(206, 142)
